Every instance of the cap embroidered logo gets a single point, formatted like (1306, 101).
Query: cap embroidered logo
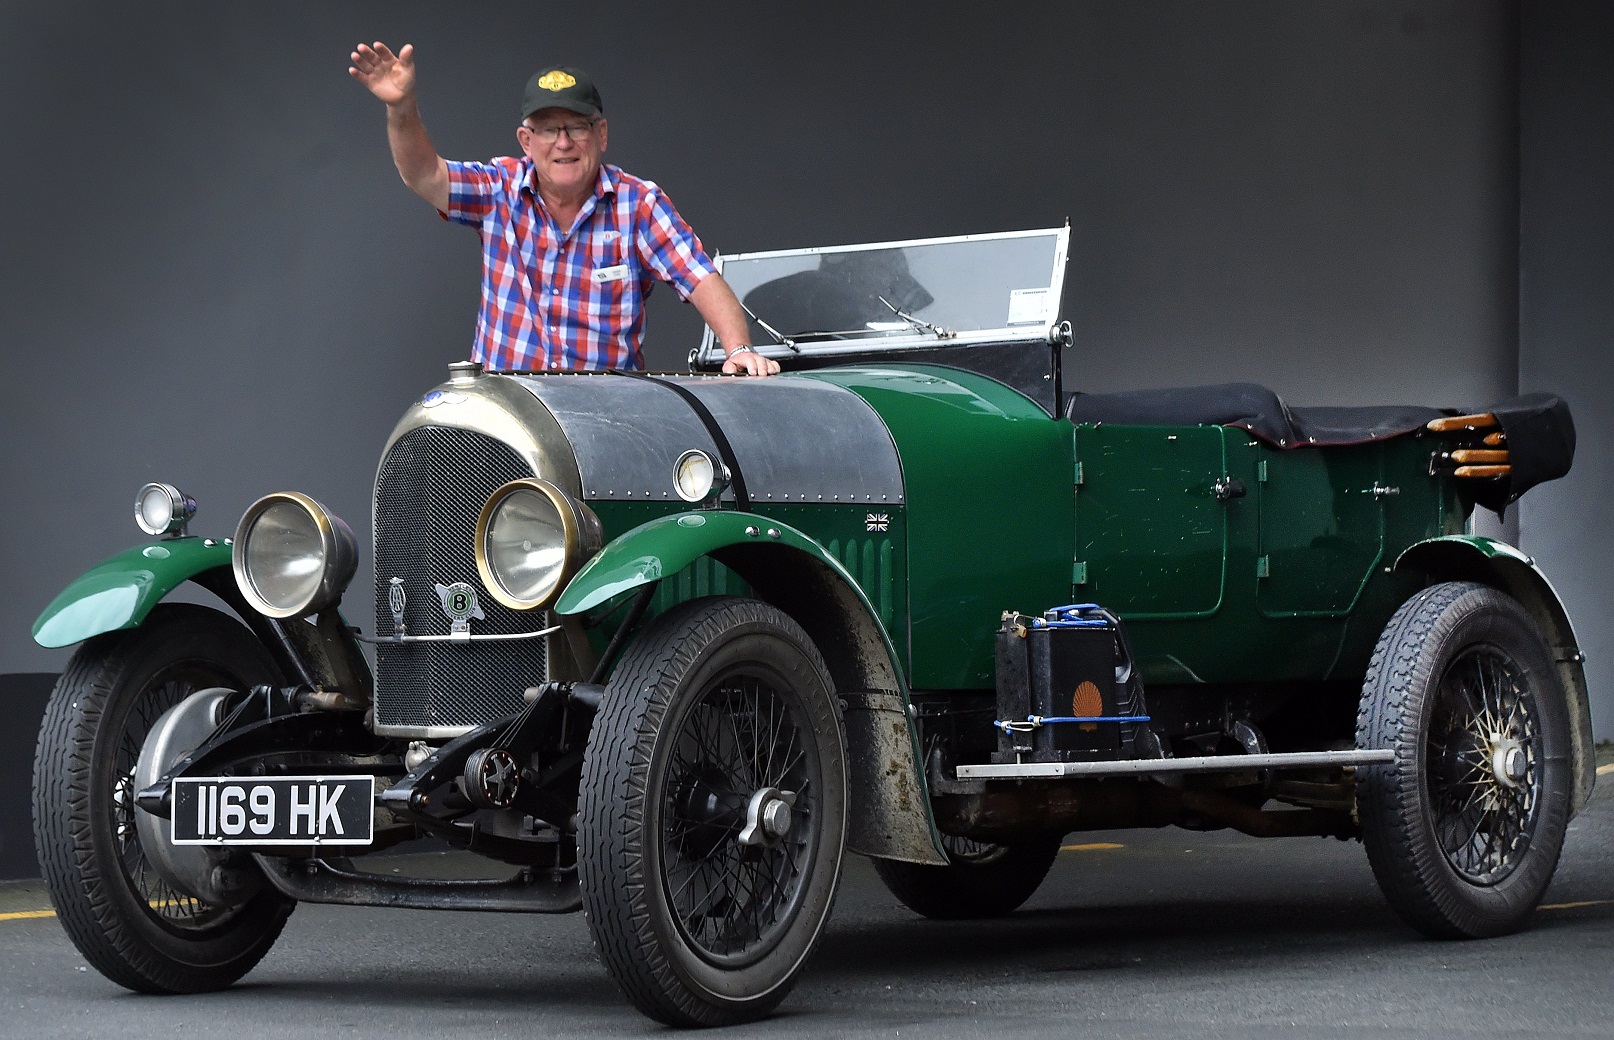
(557, 80)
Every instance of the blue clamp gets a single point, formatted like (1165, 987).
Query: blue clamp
(1074, 615)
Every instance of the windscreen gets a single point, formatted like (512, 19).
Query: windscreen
(935, 290)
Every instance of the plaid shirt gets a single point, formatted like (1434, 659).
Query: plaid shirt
(556, 300)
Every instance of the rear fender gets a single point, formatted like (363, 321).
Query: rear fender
(1503, 567)
(890, 810)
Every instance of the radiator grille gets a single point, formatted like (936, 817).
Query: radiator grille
(428, 494)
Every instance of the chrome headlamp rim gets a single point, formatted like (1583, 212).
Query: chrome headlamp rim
(580, 533)
(181, 507)
(719, 482)
(339, 556)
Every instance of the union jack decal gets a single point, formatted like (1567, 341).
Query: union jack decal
(877, 521)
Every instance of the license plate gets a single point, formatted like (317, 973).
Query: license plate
(292, 810)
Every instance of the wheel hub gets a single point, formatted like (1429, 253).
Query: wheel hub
(1509, 763)
(769, 815)
(192, 870)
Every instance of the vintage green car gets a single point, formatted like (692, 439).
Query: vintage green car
(669, 646)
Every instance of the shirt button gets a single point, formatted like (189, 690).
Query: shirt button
(554, 364)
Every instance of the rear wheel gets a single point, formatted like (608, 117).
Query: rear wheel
(713, 812)
(1464, 829)
(134, 927)
(981, 880)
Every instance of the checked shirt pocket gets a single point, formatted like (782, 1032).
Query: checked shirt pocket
(613, 291)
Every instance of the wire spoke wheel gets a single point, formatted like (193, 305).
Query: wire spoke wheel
(712, 812)
(132, 924)
(1483, 776)
(1464, 829)
(166, 904)
(730, 896)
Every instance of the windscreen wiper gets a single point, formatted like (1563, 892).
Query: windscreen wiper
(918, 324)
(782, 340)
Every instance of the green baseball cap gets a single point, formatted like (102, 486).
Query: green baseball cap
(561, 86)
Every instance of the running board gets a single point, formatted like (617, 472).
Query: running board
(1156, 766)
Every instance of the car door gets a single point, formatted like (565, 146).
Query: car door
(1151, 531)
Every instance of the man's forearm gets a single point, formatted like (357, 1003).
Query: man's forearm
(721, 309)
(421, 168)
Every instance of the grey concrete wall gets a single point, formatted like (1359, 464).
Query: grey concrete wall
(1566, 281)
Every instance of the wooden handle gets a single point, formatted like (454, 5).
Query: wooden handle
(1479, 455)
(1451, 423)
(1484, 471)
(1495, 440)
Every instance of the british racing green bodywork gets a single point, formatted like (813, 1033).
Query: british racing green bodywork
(1292, 579)
(120, 591)
(1007, 508)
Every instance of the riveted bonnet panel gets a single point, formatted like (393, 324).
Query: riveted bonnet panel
(795, 440)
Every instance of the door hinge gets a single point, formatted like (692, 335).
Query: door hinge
(1078, 573)
(1263, 566)
(1079, 477)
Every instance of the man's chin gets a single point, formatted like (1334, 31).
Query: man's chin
(567, 174)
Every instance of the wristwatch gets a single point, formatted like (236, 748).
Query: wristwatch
(743, 348)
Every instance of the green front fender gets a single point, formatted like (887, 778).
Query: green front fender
(120, 591)
(890, 812)
(664, 546)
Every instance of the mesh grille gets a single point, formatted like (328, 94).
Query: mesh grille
(428, 496)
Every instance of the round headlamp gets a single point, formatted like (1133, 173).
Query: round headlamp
(697, 476)
(291, 556)
(163, 509)
(530, 539)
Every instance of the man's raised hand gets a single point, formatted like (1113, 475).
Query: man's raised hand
(390, 77)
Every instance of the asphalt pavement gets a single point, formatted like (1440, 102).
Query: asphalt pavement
(1135, 934)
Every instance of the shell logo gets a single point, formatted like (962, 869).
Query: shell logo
(557, 80)
(1085, 704)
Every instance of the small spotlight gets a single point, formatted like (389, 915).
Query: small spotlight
(163, 509)
(697, 476)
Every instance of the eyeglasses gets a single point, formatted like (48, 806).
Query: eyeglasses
(578, 132)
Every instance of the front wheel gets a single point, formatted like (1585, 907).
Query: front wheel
(1464, 829)
(712, 815)
(134, 927)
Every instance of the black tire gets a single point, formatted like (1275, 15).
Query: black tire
(1464, 829)
(983, 880)
(130, 924)
(718, 702)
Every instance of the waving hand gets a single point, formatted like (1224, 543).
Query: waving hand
(390, 77)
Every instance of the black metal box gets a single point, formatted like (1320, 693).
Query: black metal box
(1051, 671)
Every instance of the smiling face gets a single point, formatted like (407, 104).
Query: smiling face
(565, 149)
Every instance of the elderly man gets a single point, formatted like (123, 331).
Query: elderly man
(570, 244)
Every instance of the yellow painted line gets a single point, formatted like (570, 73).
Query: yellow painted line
(24, 915)
(1604, 770)
(1091, 847)
(1575, 906)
